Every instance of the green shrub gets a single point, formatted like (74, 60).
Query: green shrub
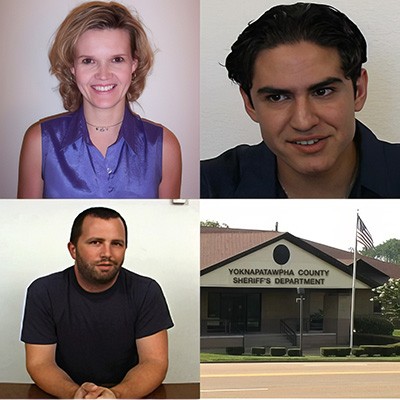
(278, 351)
(384, 351)
(372, 350)
(295, 352)
(388, 351)
(367, 338)
(373, 324)
(258, 351)
(235, 351)
(358, 351)
(396, 348)
(335, 351)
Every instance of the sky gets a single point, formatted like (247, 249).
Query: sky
(330, 222)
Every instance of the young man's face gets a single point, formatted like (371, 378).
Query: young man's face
(305, 107)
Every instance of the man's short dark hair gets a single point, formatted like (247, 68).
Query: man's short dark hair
(98, 212)
(289, 24)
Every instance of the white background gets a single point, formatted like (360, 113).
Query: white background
(224, 123)
(28, 91)
(163, 243)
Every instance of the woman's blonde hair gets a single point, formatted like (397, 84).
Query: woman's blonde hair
(97, 15)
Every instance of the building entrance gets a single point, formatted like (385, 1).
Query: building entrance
(234, 312)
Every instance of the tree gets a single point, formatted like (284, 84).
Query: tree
(388, 295)
(213, 224)
(388, 251)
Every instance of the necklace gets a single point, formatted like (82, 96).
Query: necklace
(103, 128)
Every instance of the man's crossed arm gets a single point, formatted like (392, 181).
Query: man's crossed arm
(139, 381)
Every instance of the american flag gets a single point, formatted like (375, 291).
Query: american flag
(363, 235)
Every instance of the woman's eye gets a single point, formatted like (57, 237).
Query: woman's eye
(119, 59)
(87, 61)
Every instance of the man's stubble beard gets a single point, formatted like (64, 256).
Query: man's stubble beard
(92, 275)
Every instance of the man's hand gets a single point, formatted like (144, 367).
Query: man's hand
(89, 390)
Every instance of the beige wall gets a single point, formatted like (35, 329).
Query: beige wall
(300, 260)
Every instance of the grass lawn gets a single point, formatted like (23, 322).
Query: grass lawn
(225, 358)
(210, 357)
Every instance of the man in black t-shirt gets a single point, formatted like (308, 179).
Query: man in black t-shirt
(96, 329)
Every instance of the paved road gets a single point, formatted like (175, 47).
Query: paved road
(300, 380)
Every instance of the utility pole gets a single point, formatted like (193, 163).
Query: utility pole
(300, 300)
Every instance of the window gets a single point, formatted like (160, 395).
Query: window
(234, 312)
(253, 312)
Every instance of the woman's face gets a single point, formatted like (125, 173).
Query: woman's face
(103, 67)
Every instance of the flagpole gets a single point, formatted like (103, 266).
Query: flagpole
(353, 287)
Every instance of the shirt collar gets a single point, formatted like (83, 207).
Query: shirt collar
(257, 171)
(372, 175)
(371, 179)
(132, 129)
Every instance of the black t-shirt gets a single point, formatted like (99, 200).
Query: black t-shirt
(95, 333)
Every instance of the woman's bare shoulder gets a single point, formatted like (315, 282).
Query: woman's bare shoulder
(170, 139)
(34, 131)
(54, 116)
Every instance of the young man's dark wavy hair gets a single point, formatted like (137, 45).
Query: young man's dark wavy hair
(289, 24)
(98, 212)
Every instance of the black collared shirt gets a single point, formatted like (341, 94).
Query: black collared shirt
(250, 171)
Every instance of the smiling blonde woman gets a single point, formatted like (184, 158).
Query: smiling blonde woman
(100, 148)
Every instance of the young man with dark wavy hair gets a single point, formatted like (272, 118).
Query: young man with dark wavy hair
(299, 69)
